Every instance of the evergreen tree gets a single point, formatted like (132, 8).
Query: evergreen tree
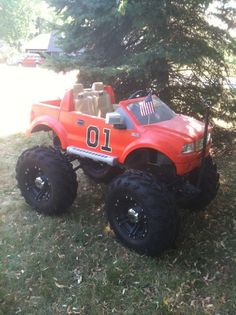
(166, 45)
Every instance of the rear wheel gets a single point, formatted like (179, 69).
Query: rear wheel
(98, 171)
(46, 180)
(208, 187)
(142, 213)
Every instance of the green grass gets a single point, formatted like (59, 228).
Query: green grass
(73, 265)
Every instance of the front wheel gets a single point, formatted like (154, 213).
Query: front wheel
(142, 213)
(46, 180)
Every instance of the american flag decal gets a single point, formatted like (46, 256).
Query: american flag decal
(147, 106)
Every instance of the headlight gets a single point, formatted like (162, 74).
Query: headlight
(188, 148)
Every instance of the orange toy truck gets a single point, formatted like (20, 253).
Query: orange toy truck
(152, 157)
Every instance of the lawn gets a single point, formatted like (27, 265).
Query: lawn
(73, 265)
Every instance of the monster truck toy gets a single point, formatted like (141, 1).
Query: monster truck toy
(153, 158)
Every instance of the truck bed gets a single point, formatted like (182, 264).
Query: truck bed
(52, 102)
(46, 108)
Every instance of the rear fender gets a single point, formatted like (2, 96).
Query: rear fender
(49, 123)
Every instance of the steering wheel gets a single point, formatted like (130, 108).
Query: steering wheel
(139, 93)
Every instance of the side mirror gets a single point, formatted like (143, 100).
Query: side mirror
(116, 120)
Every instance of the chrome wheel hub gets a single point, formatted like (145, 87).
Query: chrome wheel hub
(133, 215)
(39, 183)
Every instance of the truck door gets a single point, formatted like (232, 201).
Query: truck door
(75, 126)
(104, 138)
(93, 134)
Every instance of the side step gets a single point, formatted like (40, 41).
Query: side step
(99, 157)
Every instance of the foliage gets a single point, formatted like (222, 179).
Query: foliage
(45, 19)
(165, 45)
(225, 11)
(61, 63)
(14, 20)
(5, 50)
(231, 60)
(23, 19)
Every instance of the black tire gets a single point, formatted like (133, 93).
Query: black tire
(100, 172)
(142, 213)
(46, 180)
(208, 187)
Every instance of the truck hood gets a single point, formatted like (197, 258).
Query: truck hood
(180, 125)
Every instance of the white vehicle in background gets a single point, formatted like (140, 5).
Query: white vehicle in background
(5, 50)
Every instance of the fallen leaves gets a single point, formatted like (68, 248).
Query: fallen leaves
(78, 276)
(60, 286)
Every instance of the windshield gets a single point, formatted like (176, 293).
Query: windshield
(147, 114)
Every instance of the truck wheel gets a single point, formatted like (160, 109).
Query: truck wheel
(209, 186)
(100, 172)
(46, 180)
(142, 213)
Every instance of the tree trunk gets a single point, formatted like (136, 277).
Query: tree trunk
(162, 79)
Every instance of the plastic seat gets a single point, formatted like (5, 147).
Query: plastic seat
(77, 89)
(103, 99)
(92, 101)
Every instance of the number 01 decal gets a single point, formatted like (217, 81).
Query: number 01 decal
(92, 138)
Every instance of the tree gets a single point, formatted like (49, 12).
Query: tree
(14, 20)
(225, 12)
(23, 19)
(166, 45)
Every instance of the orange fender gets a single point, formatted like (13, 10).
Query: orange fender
(51, 123)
